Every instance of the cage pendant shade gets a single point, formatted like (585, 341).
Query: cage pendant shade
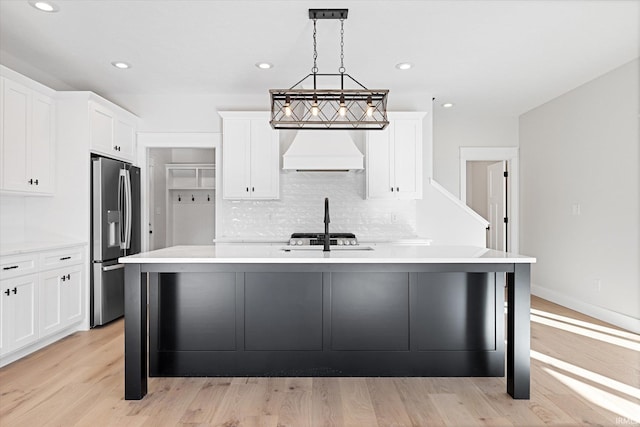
(354, 108)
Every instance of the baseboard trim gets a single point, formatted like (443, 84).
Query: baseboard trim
(37, 345)
(621, 320)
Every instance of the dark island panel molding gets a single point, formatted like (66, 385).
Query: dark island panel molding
(256, 311)
(272, 324)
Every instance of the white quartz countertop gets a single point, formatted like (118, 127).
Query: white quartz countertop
(274, 254)
(36, 245)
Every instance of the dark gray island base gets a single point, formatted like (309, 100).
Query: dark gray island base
(326, 319)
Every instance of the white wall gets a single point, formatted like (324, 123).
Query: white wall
(453, 129)
(582, 149)
(12, 219)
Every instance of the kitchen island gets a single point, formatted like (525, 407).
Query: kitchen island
(260, 310)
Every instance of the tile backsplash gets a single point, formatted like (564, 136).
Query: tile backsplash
(301, 209)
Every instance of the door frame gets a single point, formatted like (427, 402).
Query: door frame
(148, 140)
(511, 155)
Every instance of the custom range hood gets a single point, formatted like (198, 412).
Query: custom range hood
(323, 151)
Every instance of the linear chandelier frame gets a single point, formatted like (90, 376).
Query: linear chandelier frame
(358, 108)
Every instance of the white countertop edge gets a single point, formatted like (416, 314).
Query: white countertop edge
(329, 260)
(28, 247)
(270, 254)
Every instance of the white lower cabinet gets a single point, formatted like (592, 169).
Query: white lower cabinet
(60, 299)
(42, 294)
(19, 312)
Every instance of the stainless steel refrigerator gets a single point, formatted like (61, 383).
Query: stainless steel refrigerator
(115, 232)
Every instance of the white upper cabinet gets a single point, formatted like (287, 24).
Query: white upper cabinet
(394, 158)
(250, 157)
(112, 132)
(27, 140)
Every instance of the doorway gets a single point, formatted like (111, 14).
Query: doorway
(487, 185)
(181, 196)
(485, 188)
(178, 188)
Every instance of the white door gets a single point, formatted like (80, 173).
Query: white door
(23, 311)
(50, 316)
(496, 191)
(15, 133)
(152, 203)
(379, 160)
(71, 296)
(235, 159)
(264, 161)
(42, 135)
(404, 159)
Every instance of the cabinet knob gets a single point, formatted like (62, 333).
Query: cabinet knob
(68, 276)
(30, 182)
(7, 292)
(63, 278)
(247, 189)
(253, 189)
(397, 189)
(392, 189)
(36, 182)
(15, 290)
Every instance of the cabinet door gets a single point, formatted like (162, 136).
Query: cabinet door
(42, 144)
(21, 315)
(124, 139)
(15, 137)
(264, 162)
(4, 317)
(406, 159)
(379, 161)
(101, 124)
(235, 159)
(50, 301)
(71, 295)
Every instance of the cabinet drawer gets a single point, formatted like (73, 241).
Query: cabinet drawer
(61, 258)
(17, 265)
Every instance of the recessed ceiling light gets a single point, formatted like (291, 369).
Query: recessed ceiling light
(264, 65)
(44, 6)
(404, 65)
(448, 105)
(121, 65)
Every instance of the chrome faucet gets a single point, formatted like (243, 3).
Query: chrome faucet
(327, 242)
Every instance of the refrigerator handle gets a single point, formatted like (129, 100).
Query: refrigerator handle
(128, 209)
(121, 207)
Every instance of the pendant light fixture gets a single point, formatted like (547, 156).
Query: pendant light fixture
(345, 108)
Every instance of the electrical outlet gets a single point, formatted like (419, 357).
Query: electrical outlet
(575, 209)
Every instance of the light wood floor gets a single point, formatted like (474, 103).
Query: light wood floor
(579, 376)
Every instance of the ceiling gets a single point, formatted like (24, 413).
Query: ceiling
(502, 57)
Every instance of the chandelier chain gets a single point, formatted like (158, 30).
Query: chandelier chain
(314, 70)
(342, 69)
